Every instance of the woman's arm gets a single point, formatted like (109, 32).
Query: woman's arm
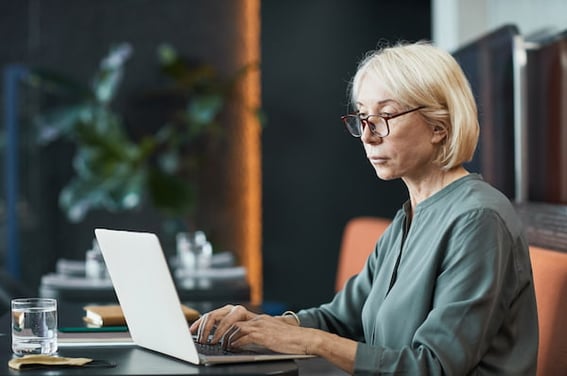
(235, 326)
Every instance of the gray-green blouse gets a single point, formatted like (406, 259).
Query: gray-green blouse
(451, 294)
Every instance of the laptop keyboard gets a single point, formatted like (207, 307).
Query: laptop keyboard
(216, 349)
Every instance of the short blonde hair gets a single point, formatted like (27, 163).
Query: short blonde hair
(419, 74)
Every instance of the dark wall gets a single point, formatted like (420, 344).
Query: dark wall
(316, 176)
(71, 37)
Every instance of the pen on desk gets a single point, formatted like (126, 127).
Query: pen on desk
(93, 329)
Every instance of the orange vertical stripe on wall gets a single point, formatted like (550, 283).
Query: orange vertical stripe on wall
(248, 158)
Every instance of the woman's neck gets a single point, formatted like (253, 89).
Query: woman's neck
(422, 189)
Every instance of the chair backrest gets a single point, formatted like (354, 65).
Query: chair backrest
(359, 238)
(550, 282)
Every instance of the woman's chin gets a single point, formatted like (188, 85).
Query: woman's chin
(385, 174)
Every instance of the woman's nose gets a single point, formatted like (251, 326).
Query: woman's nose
(368, 137)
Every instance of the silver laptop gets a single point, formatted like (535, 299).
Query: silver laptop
(148, 297)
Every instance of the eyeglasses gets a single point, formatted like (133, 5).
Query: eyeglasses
(378, 123)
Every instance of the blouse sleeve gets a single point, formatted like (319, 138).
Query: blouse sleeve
(342, 315)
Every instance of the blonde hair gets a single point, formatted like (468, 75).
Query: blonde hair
(420, 74)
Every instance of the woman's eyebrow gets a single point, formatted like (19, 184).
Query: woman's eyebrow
(386, 101)
(380, 103)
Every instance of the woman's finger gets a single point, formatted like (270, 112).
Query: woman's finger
(206, 325)
(236, 314)
(229, 336)
(201, 330)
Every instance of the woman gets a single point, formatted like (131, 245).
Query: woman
(448, 289)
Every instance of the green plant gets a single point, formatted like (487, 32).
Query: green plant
(115, 171)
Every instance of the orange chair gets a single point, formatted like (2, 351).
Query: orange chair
(550, 282)
(359, 238)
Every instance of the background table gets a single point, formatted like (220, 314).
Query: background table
(217, 286)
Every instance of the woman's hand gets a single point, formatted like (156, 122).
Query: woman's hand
(235, 326)
(218, 322)
(274, 333)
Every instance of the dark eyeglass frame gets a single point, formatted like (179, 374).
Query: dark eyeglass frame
(364, 121)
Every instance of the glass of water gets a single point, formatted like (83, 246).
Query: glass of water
(34, 326)
(194, 251)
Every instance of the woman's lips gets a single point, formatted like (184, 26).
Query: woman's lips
(375, 159)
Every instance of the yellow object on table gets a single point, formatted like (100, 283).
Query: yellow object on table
(47, 360)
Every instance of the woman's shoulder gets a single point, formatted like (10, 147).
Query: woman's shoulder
(475, 198)
(469, 193)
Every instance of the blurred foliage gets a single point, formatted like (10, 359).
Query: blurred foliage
(113, 171)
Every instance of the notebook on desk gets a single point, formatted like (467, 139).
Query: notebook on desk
(146, 292)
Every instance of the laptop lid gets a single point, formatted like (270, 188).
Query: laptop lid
(146, 292)
(148, 297)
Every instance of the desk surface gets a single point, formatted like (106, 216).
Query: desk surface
(138, 361)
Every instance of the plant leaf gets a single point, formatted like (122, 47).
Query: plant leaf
(58, 122)
(110, 74)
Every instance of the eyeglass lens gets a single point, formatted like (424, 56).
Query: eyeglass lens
(356, 125)
(378, 124)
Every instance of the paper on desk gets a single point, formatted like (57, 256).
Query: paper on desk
(46, 360)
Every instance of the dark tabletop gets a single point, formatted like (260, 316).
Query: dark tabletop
(134, 360)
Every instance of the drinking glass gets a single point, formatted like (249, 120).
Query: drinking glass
(34, 326)
(194, 251)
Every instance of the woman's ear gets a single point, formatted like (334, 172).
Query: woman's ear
(439, 134)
